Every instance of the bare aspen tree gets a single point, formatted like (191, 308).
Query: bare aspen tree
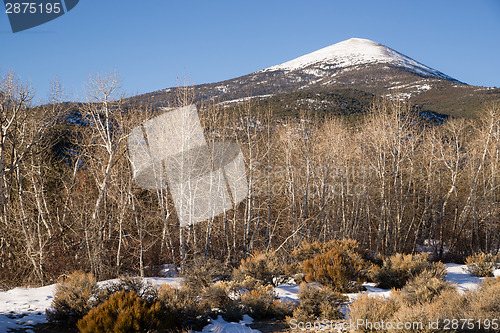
(452, 156)
(248, 142)
(23, 128)
(15, 99)
(491, 187)
(484, 150)
(287, 136)
(377, 157)
(106, 132)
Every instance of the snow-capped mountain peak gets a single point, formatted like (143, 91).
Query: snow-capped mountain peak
(354, 52)
(354, 64)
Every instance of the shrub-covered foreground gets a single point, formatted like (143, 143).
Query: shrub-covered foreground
(210, 289)
(428, 304)
(133, 305)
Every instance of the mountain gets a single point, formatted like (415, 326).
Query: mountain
(351, 53)
(356, 63)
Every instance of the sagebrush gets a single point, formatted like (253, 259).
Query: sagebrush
(482, 264)
(123, 312)
(74, 297)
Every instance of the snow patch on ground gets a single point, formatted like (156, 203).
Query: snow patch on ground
(24, 307)
(287, 292)
(220, 325)
(371, 290)
(463, 280)
(244, 99)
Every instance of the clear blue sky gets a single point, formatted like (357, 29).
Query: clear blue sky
(151, 43)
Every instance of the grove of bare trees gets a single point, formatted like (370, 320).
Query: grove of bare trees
(390, 180)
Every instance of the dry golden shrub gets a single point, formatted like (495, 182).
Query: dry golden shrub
(310, 250)
(482, 264)
(422, 289)
(262, 266)
(123, 312)
(183, 306)
(371, 309)
(262, 302)
(73, 297)
(485, 301)
(338, 269)
(399, 268)
(317, 301)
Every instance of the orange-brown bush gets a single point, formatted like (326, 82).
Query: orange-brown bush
(338, 268)
(122, 312)
(310, 250)
(73, 297)
(294, 271)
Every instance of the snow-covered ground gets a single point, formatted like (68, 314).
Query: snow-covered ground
(220, 325)
(22, 308)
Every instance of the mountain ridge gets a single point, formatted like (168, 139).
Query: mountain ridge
(355, 63)
(358, 51)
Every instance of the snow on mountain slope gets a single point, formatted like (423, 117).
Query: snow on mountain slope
(356, 64)
(356, 51)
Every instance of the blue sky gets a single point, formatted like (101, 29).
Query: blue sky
(155, 44)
